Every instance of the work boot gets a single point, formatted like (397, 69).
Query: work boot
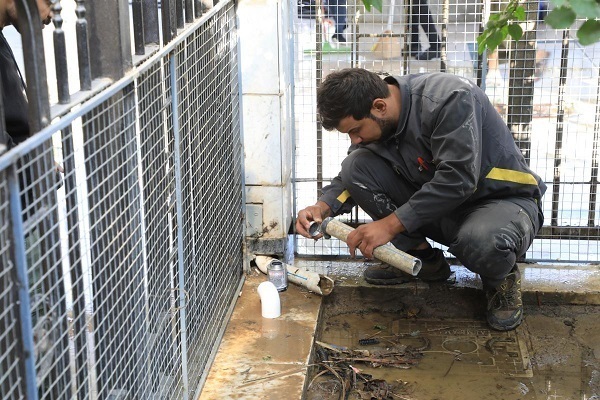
(504, 303)
(434, 268)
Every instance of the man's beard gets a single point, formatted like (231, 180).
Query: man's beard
(387, 126)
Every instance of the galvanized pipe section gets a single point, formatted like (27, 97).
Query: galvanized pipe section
(386, 253)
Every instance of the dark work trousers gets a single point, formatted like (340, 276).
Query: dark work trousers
(420, 15)
(486, 237)
(336, 10)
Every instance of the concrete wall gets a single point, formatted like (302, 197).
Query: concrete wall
(266, 29)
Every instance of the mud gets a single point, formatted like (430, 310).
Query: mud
(554, 354)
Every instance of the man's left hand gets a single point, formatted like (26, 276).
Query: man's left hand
(374, 234)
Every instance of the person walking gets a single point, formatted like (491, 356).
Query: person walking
(421, 16)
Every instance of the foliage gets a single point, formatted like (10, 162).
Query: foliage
(564, 14)
(507, 22)
(377, 4)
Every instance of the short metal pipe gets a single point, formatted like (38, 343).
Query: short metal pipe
(386, 253)
(316, 283)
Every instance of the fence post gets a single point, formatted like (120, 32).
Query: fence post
(180, 223)
(38, 177)
(109, 38)
(26, 324)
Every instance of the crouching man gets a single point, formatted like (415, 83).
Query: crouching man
(431, 159)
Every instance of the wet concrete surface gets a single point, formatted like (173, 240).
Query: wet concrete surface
(553, 355)
(262, 358)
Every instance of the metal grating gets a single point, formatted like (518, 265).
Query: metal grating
(547, 91)
(11, 382)
(132, 258)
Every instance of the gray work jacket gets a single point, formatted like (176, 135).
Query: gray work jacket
(452, 146)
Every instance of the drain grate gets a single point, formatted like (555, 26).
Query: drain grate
(478, 349)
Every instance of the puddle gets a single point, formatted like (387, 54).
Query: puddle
(434, 344)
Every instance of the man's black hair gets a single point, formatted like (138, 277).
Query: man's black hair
(348, 92)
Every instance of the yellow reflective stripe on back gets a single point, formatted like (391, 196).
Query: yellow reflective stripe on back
(510, 175)
(343, 196)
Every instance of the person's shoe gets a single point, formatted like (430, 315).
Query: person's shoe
(339, 37)
(434, 268)
(428, 54)
(504, 303)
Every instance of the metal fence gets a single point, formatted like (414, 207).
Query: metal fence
(545, 86)
(117, 277)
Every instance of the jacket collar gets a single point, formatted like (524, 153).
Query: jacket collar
(404, 105)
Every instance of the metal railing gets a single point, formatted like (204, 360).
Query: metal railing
(117, 277)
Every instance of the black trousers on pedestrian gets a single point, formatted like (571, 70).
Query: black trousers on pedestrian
(487, 237)
(421, 15)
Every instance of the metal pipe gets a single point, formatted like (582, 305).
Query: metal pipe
(386, 253)
(312, 281)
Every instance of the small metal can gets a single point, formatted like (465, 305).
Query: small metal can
(278, 275)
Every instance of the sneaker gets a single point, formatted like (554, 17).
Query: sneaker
(434, 268)
(339, 37)
(504, 303)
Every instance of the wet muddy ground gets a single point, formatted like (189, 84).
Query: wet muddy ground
(426, 343)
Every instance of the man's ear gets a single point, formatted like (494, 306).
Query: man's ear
(379, 107)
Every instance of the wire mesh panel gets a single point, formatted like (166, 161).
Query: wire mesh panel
(119, 273)
(545, 86)
(158, 175)
(207, 89)
(11, 381)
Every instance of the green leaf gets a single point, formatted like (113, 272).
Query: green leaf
(495, 39)
(367, 4)
(378, 4)
(561, 18)
(586, 8)
(515, 31)
(560, 3)
(589, 32)
(519, 13)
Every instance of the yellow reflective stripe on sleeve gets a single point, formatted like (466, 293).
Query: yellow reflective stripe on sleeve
(510, 175)
(343, 196)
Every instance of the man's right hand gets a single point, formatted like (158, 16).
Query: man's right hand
(317, 213)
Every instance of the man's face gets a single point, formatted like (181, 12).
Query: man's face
(367, 130)
(44, 7)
